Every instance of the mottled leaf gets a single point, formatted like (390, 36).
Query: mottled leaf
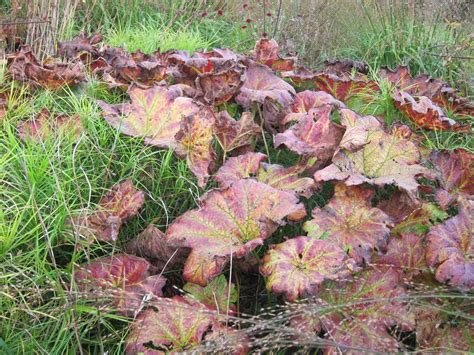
(298, 266)
(125, 278)
(219, 87)
(283, 178)
(261, 84)
(342, 86)
(235, 134)
(231, 222)
(195, 143)
(450, 248)
(24, 67)
(368, 307)
(417, 220)
(315, 135)
(306, 101)
(425, 114)
(349, 221)
(46, 125)
(217, 295)
(369, 154)
(455, 173)
(154, 114)
(120, 203)
(239, 167)
(406, 252)
(266, 51)
(152, 245)
(435, 89)
(169, 326)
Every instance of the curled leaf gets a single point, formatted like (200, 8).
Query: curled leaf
(120, 203)
(24, 67)
(349, 221)
(425, 114)
(125, 277)
(450, 248)
(455, 173)
(231, 222)
(299, 266)
(266, 51)
(315, 135)
(261, 84)
(239, 167)
(307, 100)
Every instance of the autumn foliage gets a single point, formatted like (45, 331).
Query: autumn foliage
(358, 255)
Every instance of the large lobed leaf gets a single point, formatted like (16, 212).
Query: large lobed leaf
(236, 134)
(218, 295)
(455, 173)
(46, 125)
(194, 143)
(368, 154)
(151, 244)
(230, 223)
(261, 84)
(251, 165)
(349, 221)
(299, 266)
(124, 277)
(120, 203)
(450, 248)
(365, 311)
(266, 51)
(314, 135)
(177, 325)
(154, 114)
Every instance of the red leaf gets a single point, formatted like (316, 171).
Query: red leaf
(239, 167)
(233, 134)
(73, 48)
(24, 67)
(299, 266)
(45, 125)
(450, 248)
(261, 84)
(455, 173)
(349, 221)
(151, 244)
(425, 114)
(195, 143)
(315, 135)
(230, 222)
(120, 203)
(393, 160)
(307, 100)
(126, 278)
(266, 51)
(154, 114)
